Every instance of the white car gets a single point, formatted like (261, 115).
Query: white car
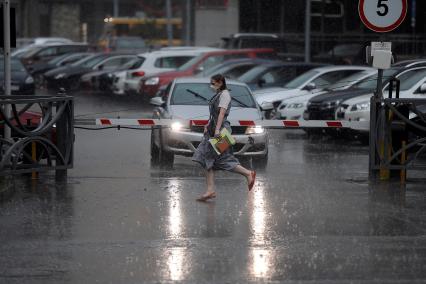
(187, 99)
(413, 85)
(154, 62)
(309, 82)
(293, 108)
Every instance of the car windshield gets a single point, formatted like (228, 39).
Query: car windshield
(410, 78)
(301, 80)
(134, 63)
(16, 65)
(31, 52)
(89, 62)
(193, 94)
(348, 81)
(190, 63)
(59, 58)
(370, 83)
(251, 76)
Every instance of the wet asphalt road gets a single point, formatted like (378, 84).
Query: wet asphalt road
(312, 218)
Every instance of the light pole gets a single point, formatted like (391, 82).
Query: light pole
(308, 31)
(188, 22)
(116, 8)
(7, 72)
(169, 22)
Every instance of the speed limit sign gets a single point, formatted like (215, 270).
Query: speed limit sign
(382, 15)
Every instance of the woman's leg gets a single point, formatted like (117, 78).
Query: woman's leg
(210, 181)
(210, 187)
(243, 171)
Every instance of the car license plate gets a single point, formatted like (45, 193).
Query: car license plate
(306, 115)
(14, 88)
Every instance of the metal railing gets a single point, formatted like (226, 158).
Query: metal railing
(42, 134)
(397, 142)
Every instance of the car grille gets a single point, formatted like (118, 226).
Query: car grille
(235, 129)
(316, 112)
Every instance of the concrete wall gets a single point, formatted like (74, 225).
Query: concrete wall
(212, 24)
(65, 21)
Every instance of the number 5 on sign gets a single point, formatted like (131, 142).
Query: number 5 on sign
(382, 15)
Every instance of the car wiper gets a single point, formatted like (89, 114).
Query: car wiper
(197, 95)
(240, 102)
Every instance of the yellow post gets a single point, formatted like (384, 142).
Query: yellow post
(385, 174)
(403, 160)
(34, 157)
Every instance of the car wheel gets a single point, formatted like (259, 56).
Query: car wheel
(166, 158)
(260, 163)
(155, 151)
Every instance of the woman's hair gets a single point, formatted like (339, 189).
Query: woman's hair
(220, 78)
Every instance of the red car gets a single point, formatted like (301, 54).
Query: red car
(150, 85)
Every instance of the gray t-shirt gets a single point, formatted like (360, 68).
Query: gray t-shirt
(225, 99)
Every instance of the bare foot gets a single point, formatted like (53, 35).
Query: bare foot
(206, 196)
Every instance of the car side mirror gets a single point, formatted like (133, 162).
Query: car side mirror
(157, 101)
(101, 67)
(261, 82)
(266, 106)
(311, 86)
(199, 69)
(422, 89)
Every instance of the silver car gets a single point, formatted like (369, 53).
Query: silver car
(187, 99)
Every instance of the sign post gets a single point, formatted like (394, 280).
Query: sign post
(7, 70)
(380, 16)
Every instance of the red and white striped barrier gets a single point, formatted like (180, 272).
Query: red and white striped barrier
(360, 125)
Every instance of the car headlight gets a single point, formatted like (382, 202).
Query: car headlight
(255, 130)
(178, 126)
(361, 106)
(296, 105)
(282, 106)
(29, 80)
(152, 81)
(60, 76)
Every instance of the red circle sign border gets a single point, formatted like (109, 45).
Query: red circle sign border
(382, 29)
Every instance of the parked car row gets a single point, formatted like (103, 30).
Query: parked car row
(346, 99)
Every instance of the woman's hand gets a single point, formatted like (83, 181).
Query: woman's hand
(216, 133)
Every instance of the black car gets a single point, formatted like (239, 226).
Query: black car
(44, 53)
(38, 69)
(69, 77)
(22, 81)
(103, 80)
(275, 74)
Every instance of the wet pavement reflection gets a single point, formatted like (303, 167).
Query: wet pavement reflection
(313, 217)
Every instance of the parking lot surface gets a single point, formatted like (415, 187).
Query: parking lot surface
(312, 217)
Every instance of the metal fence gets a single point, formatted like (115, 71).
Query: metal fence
(42, 130)
(398, 137)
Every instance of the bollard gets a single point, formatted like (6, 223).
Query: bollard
(403, 173)
(34, 174)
